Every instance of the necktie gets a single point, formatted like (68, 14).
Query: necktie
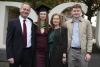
(24, 33)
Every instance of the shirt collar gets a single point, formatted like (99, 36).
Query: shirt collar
(80, 19)
(21, 18)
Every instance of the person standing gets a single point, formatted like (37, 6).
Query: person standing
(42, 27)
(79, 38)
(57, 43)
(20, 39)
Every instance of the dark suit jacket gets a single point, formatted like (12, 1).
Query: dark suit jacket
(14, 41)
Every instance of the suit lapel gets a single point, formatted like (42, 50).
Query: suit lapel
(19, 25)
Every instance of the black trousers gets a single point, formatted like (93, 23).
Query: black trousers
(26, 59)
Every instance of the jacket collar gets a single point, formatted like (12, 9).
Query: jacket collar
(80, 19)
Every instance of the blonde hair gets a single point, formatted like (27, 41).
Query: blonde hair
(60, 17)
(26, 4)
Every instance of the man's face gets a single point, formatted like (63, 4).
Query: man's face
(25, 10)
(76, 12)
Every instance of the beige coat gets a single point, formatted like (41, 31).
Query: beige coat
(85, 30)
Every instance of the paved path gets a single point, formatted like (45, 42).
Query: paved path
(95, 61)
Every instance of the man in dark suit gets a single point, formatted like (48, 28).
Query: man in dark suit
(20, 39)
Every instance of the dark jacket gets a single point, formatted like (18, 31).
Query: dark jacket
(57, 46)
(14, 40)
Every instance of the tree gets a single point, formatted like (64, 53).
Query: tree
(93, 6)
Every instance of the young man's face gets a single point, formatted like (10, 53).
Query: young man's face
(76, 12)
(25, 10)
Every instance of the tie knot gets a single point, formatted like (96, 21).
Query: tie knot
(24, 20)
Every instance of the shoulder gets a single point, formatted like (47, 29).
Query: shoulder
(69, 21)
(66, 23)
(85, 20)
(13, 21)
(30, 19)
(33, 23)
(63, 28)
(50, 29)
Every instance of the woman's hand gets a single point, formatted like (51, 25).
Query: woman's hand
(64, 58)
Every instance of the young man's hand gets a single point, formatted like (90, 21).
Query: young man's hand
(88, 57)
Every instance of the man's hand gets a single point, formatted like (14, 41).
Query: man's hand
(11, 60)
(88, 57)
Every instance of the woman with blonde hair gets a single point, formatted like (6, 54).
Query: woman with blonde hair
(57, 42)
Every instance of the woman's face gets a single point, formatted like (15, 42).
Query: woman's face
(43, 15)
(56, 20)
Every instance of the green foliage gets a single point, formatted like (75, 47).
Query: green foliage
(93, 5)
(49, 3)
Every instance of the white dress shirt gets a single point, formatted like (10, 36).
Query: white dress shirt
(28, 26)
